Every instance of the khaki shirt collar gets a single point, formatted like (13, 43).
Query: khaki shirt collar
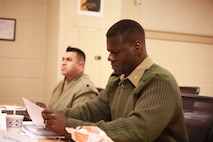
(137, 73)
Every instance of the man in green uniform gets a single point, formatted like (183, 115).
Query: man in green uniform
(141, 101)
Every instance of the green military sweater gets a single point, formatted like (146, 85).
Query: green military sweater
(144, 107)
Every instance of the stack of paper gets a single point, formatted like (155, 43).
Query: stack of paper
(11, 108)
(36, 131)
(36, 128)
(13, 137)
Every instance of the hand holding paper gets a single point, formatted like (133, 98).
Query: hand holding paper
(34, 112)
(55, 121)
(38, 128)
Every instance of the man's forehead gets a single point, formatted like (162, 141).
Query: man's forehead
(113, 42)
(117, 44)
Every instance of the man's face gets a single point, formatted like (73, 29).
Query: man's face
(121, 55)
(70, 65)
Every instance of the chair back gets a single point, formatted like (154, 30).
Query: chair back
(198, 114)
(190, 90)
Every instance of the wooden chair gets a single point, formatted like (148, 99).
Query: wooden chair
(190, 89)
(198, 114)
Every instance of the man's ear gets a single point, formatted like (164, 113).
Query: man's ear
(138, 46)
(81, 64)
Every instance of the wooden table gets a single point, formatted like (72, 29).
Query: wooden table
(50, 140)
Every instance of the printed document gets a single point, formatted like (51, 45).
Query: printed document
(34, 112)
(36, 128)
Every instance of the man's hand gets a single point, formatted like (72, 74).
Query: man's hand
(43, 105)
(26, 114)
(54, 121)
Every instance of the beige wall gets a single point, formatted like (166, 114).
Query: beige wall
(185, 45)
(30, 66)
(52, 47)
(22, 61)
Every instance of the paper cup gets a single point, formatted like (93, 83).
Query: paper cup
(14, 123)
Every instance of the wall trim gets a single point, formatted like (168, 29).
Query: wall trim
(182, 37)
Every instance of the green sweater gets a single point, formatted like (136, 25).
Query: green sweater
(130, 111)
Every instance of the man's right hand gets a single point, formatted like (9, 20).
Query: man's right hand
(54, 121)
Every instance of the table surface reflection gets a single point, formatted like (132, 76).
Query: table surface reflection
(50, 140)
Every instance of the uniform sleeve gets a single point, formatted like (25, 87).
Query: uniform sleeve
(152, 113)
(83, 98)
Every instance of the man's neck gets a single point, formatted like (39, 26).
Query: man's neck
(74, 78)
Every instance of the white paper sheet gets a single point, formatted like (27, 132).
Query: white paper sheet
(34, 112)
(10, 107)
(29, 129)
(3, 121)
(13, 137)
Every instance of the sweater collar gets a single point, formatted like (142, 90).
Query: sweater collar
(138, 72)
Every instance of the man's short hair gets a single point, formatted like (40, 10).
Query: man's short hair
(127, 29)
(79, 52)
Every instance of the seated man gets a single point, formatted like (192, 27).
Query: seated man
(76, 88)
(141, 101)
